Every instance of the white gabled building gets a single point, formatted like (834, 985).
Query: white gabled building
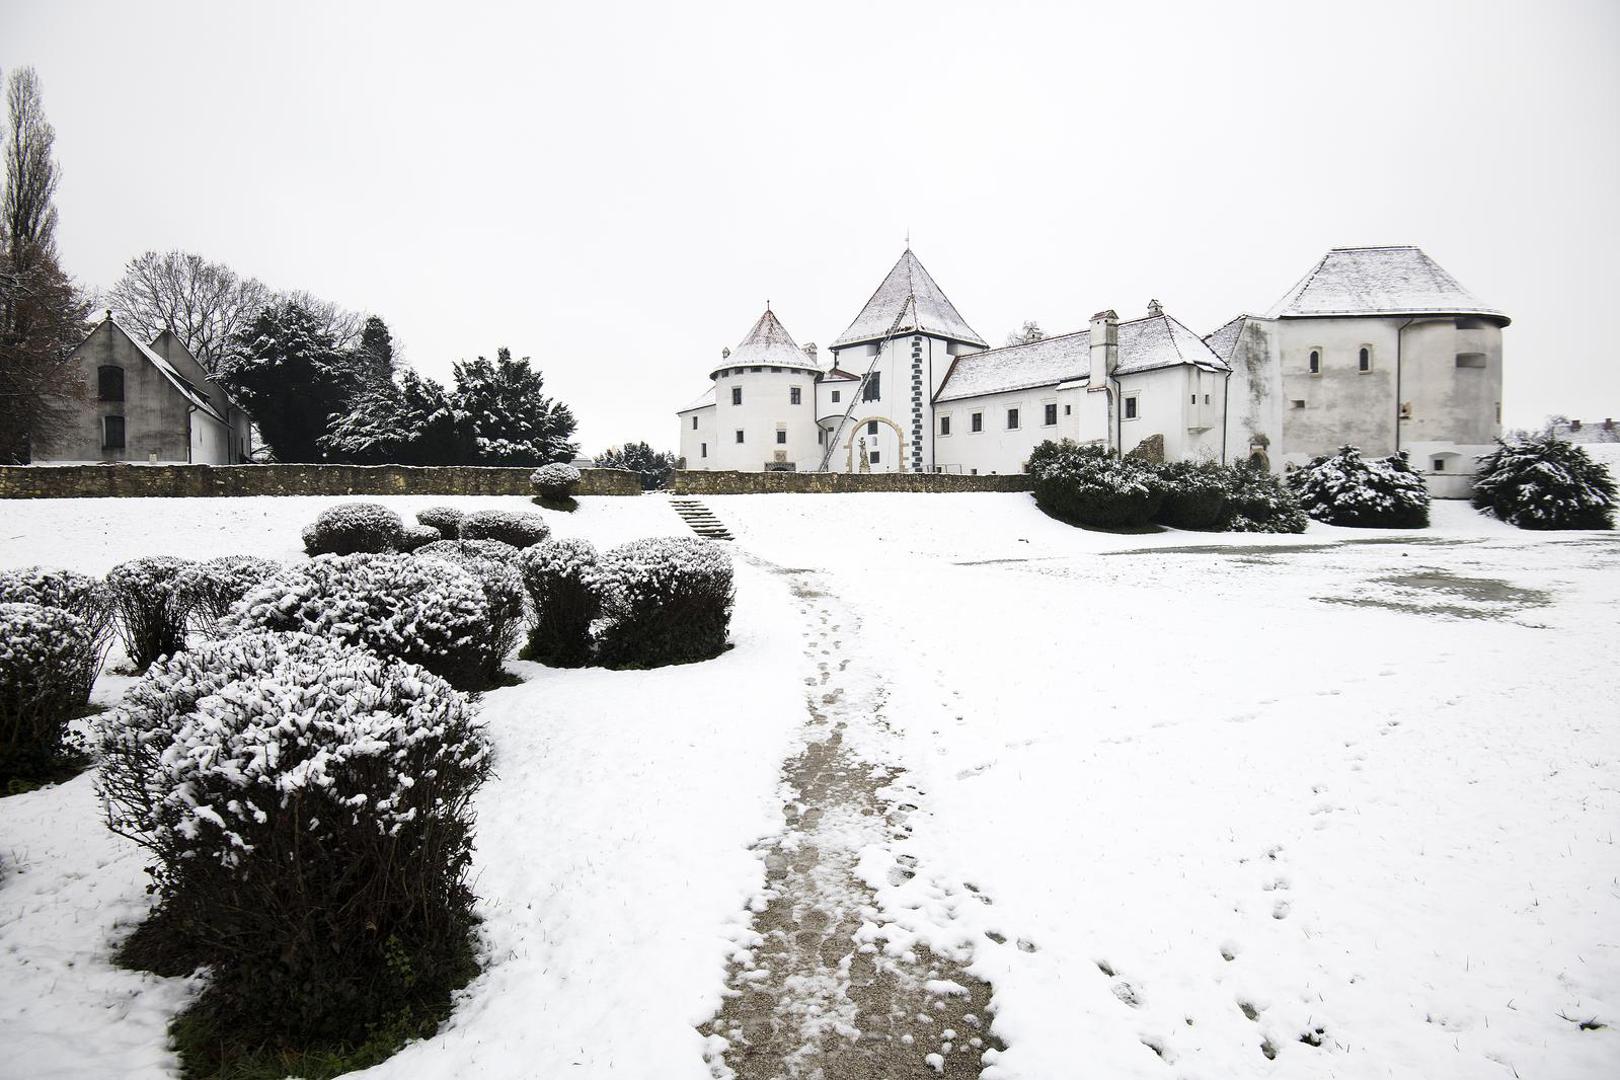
(1378, 347)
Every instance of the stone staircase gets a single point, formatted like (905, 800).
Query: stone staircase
(700, 518)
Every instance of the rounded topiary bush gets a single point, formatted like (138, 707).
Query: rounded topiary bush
(1195, 495)
(399, 606)
(554, 481)
(561, 578)
(498, 550)
(151, 612)
(307, 805)
(79, 594)
(208, 590)
(516, 527)
(663, 601)
(445, 519)
(48, 662)
(1348, 489)
(503, 594)
(1088, 485)
(352, 528)
(1545, 483)
(412, 537)
(1260, 502)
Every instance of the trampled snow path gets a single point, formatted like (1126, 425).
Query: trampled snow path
(830, 986)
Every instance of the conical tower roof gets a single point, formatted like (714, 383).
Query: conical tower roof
(769, 343)
(910, 297)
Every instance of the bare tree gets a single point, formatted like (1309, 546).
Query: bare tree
(41, 310)
(202, 303)
(1030, 331)
(344, 325)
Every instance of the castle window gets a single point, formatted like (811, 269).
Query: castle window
(794, 395)
(756, 370)
(1194, 399)
(945, 425)
(821, 436)
(703, 449)
(1206, 399)
(781, 438)
(736, 395)
(836, 395)
(1471, 359)
(1316, 361)
(694, 423)
(871, 427)
(1364, 358)
(1050, 414)
(112, 432)
(1131, 410)
(1066, 409)
(1439, 464)
(873, 457)
(110, 381)
(1297, 403)
(1012, 419)
(739, 434)
(872, 390)
(976, 421)
(776, 371)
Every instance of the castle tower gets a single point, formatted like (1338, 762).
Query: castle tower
(760, 414)
(901, 345)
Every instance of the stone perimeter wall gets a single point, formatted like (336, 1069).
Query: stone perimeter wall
(757, 483)
(188, 481)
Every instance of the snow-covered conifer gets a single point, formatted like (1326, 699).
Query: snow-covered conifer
(1544, 482)
(1347, 489)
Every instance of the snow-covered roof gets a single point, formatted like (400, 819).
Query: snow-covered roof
(911, 298)
(1224, 341)
(768, 343)
(703, 402)
(188, 390)
(1379, 281)
(1146, 344)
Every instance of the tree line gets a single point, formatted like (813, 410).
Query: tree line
(320, 382)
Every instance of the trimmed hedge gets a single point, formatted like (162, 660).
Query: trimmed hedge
(48, 661)
(1087, 485)
(352, 528)
(664, 601)
(561, 578)
(519, 528)
(208, 590)
(445, 519)
(503, 594)
(150, 608)
(554, 481)
(307, 805)
(398, 606)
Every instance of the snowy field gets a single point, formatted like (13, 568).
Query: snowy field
(1206, 806)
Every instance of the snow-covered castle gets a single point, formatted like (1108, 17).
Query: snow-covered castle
(1378, 347)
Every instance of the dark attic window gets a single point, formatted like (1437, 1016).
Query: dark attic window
(110, 383)
(872, 391)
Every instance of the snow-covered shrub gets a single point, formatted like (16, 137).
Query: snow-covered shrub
(307, 804)
(554, 481)
(664, 601)
(412, 537)
(1195, 494)
(1348, 489)
(419, 610)
(79, 594)
(560, 577)
(151, 612)
(1087, 485)
(499, 550)
(446, 519)
(1260, 502)
(516, 527)
(47, 662)
(1544, 482)
(503, 593)
(349, 528)
(208, 590)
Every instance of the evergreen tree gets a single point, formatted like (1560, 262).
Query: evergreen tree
(513, 423)
(374, 356)
(1543, 482)
(653, 466)
(286, 370)
(412, 423)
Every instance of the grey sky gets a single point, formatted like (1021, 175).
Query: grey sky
(615, 189)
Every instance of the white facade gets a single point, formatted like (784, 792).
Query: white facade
(1376, 347)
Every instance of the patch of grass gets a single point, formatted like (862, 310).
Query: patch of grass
(212, 1046)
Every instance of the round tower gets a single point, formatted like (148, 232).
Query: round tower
(764, 404)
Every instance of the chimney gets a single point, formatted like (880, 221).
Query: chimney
(810, 350)
(1574, 425)
(1155, 309)
(1608, 423)
(1104, 346)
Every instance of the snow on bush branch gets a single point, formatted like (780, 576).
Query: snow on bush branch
(1545, 483)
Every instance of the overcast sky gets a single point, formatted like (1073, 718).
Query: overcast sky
(616, 189)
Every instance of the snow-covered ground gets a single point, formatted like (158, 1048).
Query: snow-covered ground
(1185, 799)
